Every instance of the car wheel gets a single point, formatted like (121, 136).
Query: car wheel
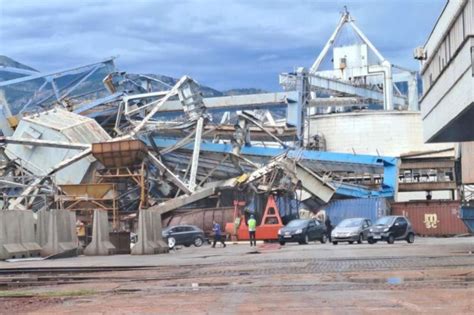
(198, 241)
(171, 242)
(334, 243)
(282, 243)
(351, 242)
(411, 238)
(391, 239)
(370, 240)
(361, 238)
(324, 239)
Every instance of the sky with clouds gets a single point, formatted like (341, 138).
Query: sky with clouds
(220, 43)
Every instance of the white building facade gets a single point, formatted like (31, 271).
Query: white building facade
(447, 58)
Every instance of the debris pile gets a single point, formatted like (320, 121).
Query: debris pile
(138, 149)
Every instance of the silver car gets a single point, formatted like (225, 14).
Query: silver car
(351, 230)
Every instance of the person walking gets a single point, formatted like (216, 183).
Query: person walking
(328, 227)
(252, 225)
(217, 234)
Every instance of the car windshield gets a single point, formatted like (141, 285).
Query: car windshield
(296, 223)
(350, 223)
(384, 221)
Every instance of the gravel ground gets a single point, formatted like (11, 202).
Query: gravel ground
(434, 276)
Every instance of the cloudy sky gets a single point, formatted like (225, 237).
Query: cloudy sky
(223, 44)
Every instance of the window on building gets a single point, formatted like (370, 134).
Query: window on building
(449, 45)
(472, 60)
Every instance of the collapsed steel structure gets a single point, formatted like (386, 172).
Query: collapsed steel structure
(186, 159)
(135, 143)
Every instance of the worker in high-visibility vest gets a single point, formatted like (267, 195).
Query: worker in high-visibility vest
(252, 225)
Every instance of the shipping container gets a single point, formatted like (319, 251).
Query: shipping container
(371, 208)
(201, 218)
(467, 216)
(433, 217)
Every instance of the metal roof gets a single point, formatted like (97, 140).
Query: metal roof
(77, 128)
(57, 119)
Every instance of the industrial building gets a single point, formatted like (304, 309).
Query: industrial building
(447, 103)
(360, 103)
(353, 181)
(129, 153)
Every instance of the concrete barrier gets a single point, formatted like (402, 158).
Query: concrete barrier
(60, 231)
(17, 234)
(100, 244)
(150, 240)
(42, 223)
(28, 236)
(10, 240)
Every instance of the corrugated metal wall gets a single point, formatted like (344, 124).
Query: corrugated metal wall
(371, 208)
(288, 208)
(432, 218)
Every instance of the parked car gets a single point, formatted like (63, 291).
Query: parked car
(302, 231)
(390, 229)
(186, 235)
(351, 230)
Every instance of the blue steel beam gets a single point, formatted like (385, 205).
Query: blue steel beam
(98, 102)
(349, 162)
(54, 73)
(18, 70)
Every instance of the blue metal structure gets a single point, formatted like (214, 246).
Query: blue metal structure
(47, 88)
(370, 208)
(467, 216)
(100, 101)
(316, 160)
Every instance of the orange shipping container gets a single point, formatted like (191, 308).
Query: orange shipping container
(432, 218)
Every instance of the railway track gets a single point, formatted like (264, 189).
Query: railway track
(31, 277)
(42, 270)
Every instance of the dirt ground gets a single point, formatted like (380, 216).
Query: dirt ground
(432, 276)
